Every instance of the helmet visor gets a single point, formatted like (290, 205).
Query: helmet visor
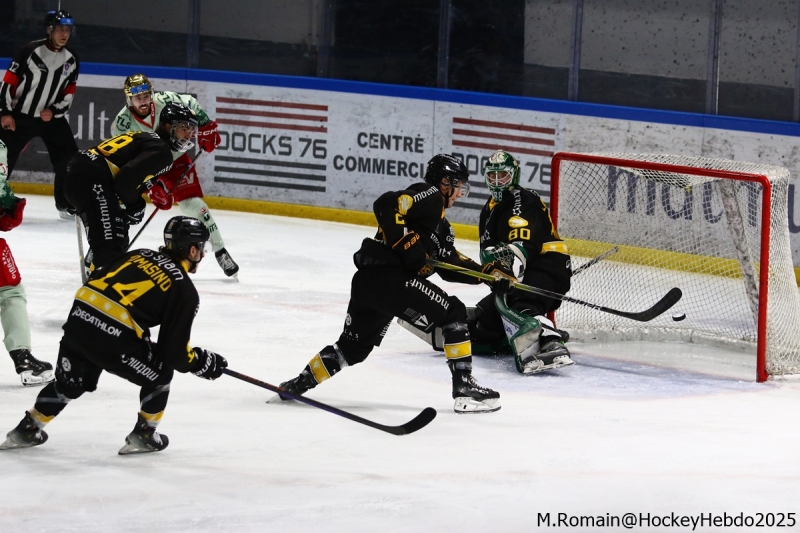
(449, 184)
(181, 136)
(498, 178)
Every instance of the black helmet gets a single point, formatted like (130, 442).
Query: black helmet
(175, 114)
(58, 18)
(447, 166)
(181, 233)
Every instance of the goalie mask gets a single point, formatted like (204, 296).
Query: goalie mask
(501, 173)
(450, 169)
(183, 126)
(136, 85)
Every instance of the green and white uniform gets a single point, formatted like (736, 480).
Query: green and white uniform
(126, 120)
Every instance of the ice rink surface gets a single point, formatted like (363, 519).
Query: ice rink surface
(631, 428)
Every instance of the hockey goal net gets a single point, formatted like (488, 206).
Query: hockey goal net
(716, 229)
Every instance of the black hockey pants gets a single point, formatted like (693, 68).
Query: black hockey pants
(381, 293)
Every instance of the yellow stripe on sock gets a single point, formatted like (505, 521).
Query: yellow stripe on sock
(152, 420)
(40, 419)
(318, 369)
(459, 350)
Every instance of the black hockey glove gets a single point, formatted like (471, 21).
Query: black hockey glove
(504, 282)
(211, 364)
(135, 214)
(412, 252)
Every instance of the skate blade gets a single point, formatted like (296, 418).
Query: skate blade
(28, 378)
(132, 447)
(471, 405)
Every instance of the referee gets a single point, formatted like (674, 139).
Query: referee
(36, 93)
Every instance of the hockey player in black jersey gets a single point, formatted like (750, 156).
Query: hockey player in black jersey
(516, 230)
(392, 281)
(109, 329)
(120, 170)
(35, 95)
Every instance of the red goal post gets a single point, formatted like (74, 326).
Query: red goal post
(715, 228)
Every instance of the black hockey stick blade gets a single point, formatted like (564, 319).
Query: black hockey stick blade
(418, 422)
(669, 299)
(661, 306)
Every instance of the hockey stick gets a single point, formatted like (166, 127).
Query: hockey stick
(417, 423)
(661, 306)
(596, 260)
(153, 214)
(84, 277)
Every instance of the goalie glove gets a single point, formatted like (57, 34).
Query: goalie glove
(504, 277)
(513, 256)
(157, 192)
(412, 253)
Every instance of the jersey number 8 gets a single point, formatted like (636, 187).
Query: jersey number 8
(519, 233)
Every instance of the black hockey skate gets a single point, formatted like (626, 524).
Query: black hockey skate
(554, 354)
(31, 371)
(143, 439)
(297, 386)
(468, 395)
(26, 435)
(226, 263)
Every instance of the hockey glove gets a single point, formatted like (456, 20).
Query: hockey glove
(11, 217)
(505, 278)
(157, 192)
(135, 214)
(208, 137)
(412, 252)
(211, 364)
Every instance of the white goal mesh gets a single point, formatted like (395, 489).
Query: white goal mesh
(695, 223)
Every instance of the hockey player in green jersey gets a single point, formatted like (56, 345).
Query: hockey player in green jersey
(144, 106)
(13, 302)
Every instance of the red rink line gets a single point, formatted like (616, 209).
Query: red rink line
(268, 103)
(247, 112)
(503, 125)
(470, 133)
(273, 125)
(511, 149)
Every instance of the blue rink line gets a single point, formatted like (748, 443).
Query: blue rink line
(675, 118)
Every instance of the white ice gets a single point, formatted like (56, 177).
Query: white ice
(632, 427)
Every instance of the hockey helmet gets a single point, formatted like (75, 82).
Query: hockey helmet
(136, 85)
(58, 18)
(447, 166)
(181, 233)
(178, 115)
(501, 172)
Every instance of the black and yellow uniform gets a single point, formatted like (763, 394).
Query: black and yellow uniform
(114, 171)
(383, 287)
(522, 218)
(109, 329)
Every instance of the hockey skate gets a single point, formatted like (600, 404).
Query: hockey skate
(297, 386)
(143, 439)
(553, 355)
(26, 435)
(227, 264)
(31, 371)
(468, 395)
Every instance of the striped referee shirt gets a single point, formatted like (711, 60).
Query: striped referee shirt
(39, 78)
